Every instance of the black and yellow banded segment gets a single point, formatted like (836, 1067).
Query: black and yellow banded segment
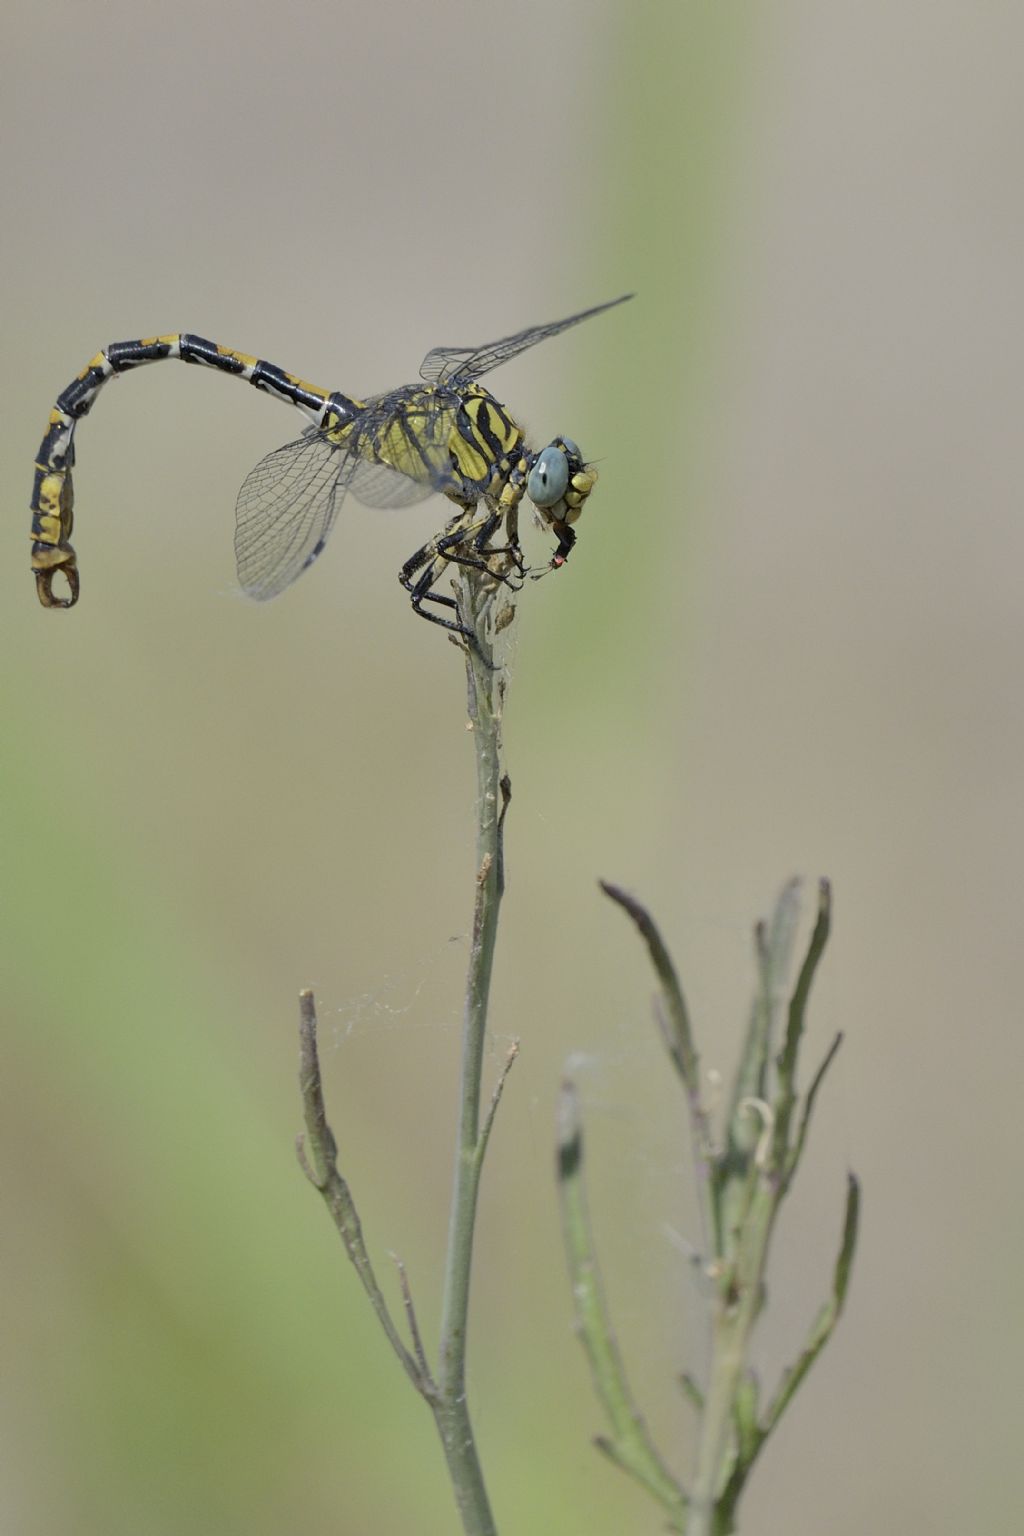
(77, 399)
(52, 494)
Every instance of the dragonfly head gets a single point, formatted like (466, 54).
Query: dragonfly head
(558, 485)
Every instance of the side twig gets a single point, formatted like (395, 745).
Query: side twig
(630, 1445)
(317, 1153)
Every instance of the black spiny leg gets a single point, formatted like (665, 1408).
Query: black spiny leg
(449, 544)
(511, 547)
(420, 590)
(463, 543)
(456, 539)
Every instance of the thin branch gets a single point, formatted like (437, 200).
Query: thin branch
(752, 1435)
(485, 685)
(801, 992)
(680, 1040)
(414, 1327)
(492, 1108)
(773, 948)
(744, 1159)
(805, 1117)
(631, 1446)
(444, 1390)
(317, 1153)
(673, 1019)
(828, 1317)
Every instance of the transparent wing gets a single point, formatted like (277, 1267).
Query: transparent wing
(460, 365)
(285, 510)
(378, 485)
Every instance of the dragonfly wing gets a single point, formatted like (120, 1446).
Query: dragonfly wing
(460, 365)
(285, 510)
(378, 485)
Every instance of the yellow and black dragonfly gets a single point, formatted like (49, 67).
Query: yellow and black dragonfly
(446, 434)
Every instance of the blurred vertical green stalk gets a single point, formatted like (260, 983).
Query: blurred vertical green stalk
(487, 611)
(741, 1185)
(669, 123)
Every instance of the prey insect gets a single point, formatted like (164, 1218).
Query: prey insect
(445, 434)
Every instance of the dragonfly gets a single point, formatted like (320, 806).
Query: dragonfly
(446, 434)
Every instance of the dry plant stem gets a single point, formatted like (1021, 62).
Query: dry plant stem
(444, 1391)
(485, 684)
(742, 1185)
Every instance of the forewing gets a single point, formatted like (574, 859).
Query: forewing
(460, 365)
(285, 510)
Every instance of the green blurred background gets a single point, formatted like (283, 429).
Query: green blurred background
(789, 640)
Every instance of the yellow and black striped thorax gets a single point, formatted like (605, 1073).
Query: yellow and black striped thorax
(462, 442)
(486, 439)
(459, 441)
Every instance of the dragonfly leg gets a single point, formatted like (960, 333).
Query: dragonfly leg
(457, 541)
(482, 545)
(421, 590)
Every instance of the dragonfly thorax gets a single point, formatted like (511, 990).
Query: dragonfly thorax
(485, 440)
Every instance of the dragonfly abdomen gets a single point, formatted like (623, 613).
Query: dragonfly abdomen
(52, 499)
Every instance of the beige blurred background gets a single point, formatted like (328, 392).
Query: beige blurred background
(790, 640)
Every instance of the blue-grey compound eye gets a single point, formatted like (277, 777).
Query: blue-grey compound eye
(548, 480)
(571, 449)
